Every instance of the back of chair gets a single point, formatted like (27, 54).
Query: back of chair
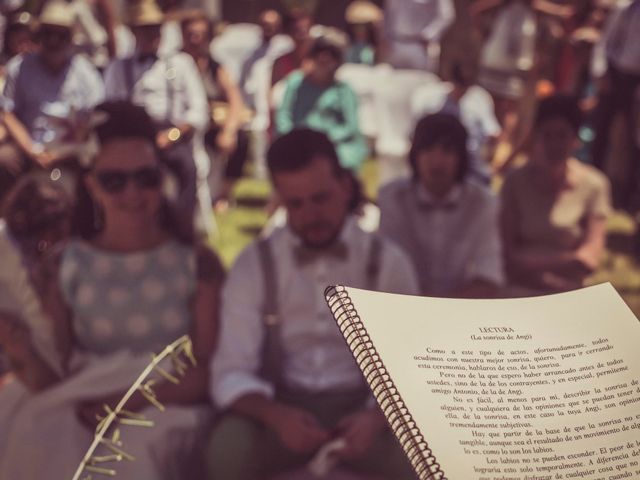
(394, 90)
(362, 79)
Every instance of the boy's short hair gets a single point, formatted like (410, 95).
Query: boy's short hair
(297, 149)
(440, 129)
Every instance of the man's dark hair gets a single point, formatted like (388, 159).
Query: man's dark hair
(124, 120)
(297, 149)
(560, 106)
(443, 130)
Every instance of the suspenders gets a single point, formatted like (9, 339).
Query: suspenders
(272, 351)
(169, 75)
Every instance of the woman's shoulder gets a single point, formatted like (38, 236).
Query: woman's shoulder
(589, 176)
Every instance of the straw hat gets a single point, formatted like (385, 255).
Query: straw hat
(58, 13)
(141, 13)
(362, 11)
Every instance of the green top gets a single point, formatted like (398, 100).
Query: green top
(332, 110)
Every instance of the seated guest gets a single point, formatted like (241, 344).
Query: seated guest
(283, 374)
(315, 99)
(473, 106)
(445, 223)
(554, 209)
(169, 87)
(51, 80)
(18, 37)
(364, 22)
(124, 288)
(224, 136)
(298, 25)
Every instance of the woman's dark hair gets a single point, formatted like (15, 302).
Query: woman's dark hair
(561, 106)
(35, 205)
(297, 149)
(123, 121)
(440, 130)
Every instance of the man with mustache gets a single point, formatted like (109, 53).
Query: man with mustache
(283, 375)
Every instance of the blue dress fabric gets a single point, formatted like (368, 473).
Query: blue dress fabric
(128, 301)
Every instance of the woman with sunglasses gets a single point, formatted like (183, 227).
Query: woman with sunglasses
(125, 287)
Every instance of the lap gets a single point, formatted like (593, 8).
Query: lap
(242, 448)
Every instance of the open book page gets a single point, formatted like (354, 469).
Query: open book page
(531, 389)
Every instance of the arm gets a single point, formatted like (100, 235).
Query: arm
(482, 6)
(107, 16)
(235, 382)
(95, 85)
(196, 113)
(349, 128)
(546, 7)
(298, 430)
(18, 132)
(27, 365)
(284, 114)
(444, 17)
(227, 137)
(11, 102)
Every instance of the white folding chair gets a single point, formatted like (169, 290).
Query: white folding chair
(392, 100)
(362, 79)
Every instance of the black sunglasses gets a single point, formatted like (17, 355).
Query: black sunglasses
(115, 181)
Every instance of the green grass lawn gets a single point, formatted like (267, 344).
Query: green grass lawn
(239, 225)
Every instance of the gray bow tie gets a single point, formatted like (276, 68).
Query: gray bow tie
(431, 206)
(305, 255)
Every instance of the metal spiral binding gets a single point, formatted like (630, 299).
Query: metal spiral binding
(400, 420)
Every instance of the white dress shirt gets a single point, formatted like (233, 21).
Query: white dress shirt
(316, 358)
(169, 88)
(407, 22)
(451, 241)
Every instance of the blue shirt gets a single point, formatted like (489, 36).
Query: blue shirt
(32, 89)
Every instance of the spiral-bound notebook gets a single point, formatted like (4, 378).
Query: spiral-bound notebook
(538, 388)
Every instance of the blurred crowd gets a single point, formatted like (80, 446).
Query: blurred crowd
(504, 132)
